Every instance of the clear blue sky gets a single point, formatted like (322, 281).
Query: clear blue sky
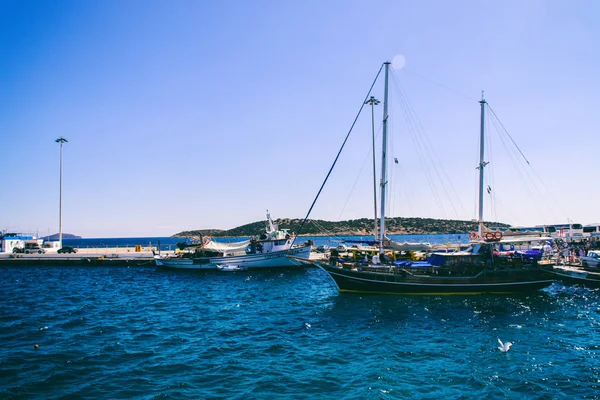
(203, 114)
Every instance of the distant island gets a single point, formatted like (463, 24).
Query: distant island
(64, 236)
(356, 227)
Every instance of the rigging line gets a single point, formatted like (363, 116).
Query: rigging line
(427, 143)
(430, 180)
(323, 230)
(507, 210)
(412, 130)
(391, 160)
(514, 157)
(505, 130)
(440, 85)
(517, 168)
(525, 171)
(339, 152)
(368, 156)
(532, 169)
(490, 171)
(421, 146)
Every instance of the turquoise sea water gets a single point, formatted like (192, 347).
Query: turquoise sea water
(140, 332)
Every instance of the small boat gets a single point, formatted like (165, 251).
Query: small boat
(271, 249)
(228, 267)
(474, 270)
(579, 274)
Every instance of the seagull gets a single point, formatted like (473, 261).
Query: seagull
(504, 347)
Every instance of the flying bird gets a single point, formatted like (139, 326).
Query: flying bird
(504, 347)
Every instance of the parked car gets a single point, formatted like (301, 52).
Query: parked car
(18, 250)
(33, 248)
(67, 249)
(592, 259)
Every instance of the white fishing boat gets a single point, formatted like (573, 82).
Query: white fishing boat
(271, 249)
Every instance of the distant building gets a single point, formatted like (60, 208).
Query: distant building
(9, 241)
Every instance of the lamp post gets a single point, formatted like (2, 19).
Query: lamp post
(373, 102)
(60, 140)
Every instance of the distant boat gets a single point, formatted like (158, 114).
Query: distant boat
(271, 249)
(474, 270)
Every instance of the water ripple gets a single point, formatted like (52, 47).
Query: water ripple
(145, 333)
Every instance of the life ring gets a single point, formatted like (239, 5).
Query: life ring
(473, 235)
(489, 236)
(386, 243)
(497, 235)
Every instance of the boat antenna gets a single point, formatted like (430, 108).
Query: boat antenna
(338, 156)
(482, 164)
(384, 159)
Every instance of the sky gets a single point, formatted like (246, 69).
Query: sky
(187, 115)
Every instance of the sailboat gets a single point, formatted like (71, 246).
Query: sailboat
(476, 270)
(273, 248)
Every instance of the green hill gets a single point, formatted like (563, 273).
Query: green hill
(357, 227)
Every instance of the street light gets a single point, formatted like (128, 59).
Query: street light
(60, 140)
(373, 102)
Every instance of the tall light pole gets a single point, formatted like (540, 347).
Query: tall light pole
(60, 140)
(373, 102)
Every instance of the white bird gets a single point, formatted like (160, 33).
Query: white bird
(504, 347)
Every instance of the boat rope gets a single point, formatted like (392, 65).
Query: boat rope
(362, 105)
(423, 145)
(411, 122)
(506, 131)
(320, 228)
(454, 91)
(523, 172)
(367, 158)
(490, 178)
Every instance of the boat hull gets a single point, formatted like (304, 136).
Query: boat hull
(276, 259)
(385, 283)
(577, 275)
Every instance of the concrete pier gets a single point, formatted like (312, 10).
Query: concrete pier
(102, 256)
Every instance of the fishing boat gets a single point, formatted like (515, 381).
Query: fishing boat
(471, 271)
(274, 248)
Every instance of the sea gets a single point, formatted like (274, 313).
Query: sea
(70, 332)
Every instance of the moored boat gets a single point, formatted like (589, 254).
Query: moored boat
(472, 271)
(578, 275)
(476, 270)
(271, 249)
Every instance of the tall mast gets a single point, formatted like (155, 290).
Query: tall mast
(373, 102)
(384, 159)
(482, 165)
